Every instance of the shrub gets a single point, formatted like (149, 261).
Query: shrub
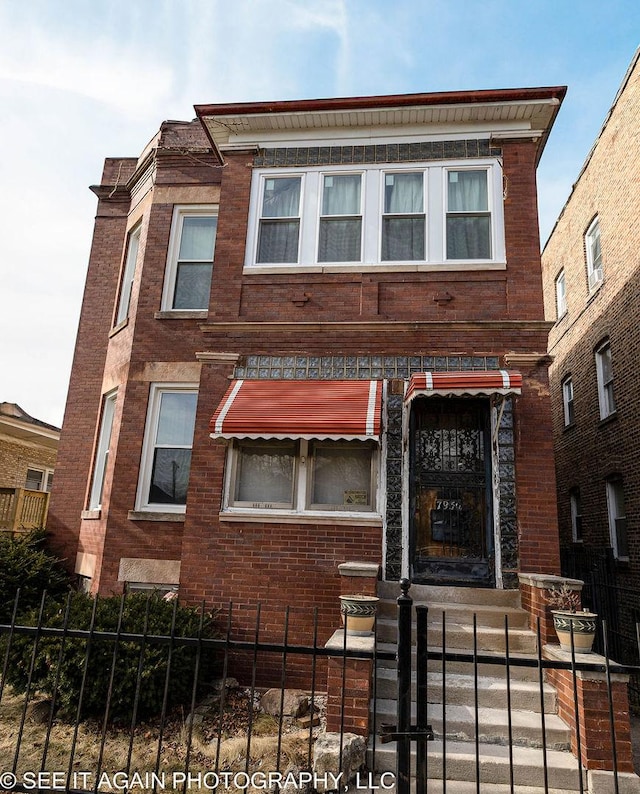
(25, 563)
(63, 679)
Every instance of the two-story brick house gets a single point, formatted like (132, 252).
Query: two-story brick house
(312, 332)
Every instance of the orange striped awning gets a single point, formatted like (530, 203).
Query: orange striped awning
(336, 409)
(477, 382)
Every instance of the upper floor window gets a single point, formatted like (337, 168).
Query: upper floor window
(166, 456)
(576, 515)
(102, 451)
(617, 518)
(343, 218)
(126, 283)
(594, 254)
(190, 260)
(604, 373)
(567, 401)
(468, 216)
(561, 295)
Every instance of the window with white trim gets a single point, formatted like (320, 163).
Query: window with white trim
(39, 479)
(594, 254)
(303, 476)
(575, 503)
(166, 453)
(102, 451)
(561, 295)
(617, 518)
(604, 373)
(567, 401)
(190, 260)
(344, 217)
(128, 273)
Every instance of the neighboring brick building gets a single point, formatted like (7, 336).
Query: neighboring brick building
(591, 272)
(28, 450)
(364, 377)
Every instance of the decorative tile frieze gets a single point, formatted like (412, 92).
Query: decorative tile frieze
(375, 154)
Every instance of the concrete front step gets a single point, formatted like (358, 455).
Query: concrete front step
(428, 594)
(461, 635)
(528, 765)
(459, 691)
(522, 665)
(492, 726)
(485, 614)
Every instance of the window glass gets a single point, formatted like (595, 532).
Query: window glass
(594, 254)
(403, 225)
(127, 276)
(102, 452)
(264, 474)
(561, 295)
(168, 470)
(340, 237)
(341, 476)
(567, 397)
(604, 372)
(617, 518)
(576, 515)
(195, 262)
(468, 219)
(278, 238)
(34, 480)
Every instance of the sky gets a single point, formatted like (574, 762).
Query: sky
(81, 80)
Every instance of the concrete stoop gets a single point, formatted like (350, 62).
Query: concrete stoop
(503, 744)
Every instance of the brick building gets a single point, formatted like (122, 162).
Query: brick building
(359, 374)
(591, 273)
(28, 450)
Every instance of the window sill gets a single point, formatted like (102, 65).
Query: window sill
(281, 517)
(380, 267)
(608, 419)
(570, 426)
(117, 328)
(149, 515)
(195, 314)
(90, 515)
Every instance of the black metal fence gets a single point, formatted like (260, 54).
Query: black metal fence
(218, 737)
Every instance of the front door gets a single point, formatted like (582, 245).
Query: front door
(450, 493)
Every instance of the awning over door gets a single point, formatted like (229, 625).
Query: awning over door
(334, 409)
(472, 383)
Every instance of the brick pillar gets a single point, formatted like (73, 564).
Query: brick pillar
(358, 578)
(590, 708)
(534, 597)
(349, 710)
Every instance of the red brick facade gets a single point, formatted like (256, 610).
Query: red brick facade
(465, 316)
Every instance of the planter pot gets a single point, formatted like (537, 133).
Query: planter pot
(584, 629)
(359, 612)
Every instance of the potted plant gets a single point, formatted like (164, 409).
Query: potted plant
(359, 613)
(572, 623)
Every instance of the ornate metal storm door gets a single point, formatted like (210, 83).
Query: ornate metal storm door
(450, 496)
